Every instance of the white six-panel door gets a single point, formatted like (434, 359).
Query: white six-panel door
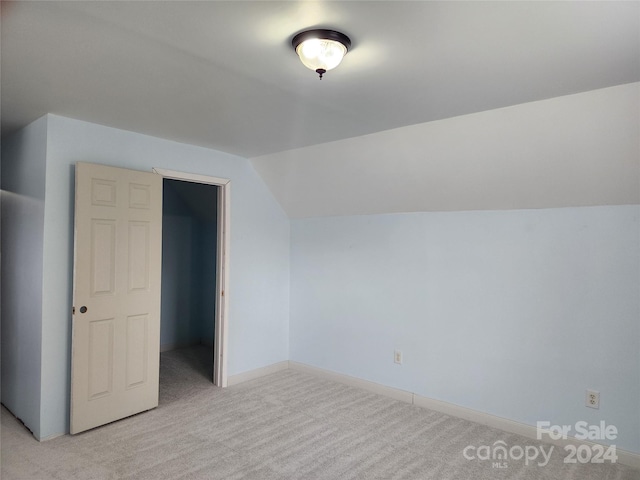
(116, 298)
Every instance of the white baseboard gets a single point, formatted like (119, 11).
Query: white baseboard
(529, 431)
(476, 416)
(50, 437)
(391, 392)
(257, 373)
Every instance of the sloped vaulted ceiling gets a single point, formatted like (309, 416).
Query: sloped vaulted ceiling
(576, 150)
(413, 115)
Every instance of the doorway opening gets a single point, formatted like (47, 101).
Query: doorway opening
(195, 237)
(189, 255)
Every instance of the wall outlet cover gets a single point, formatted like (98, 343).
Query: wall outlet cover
(592, 399)
(397, 357)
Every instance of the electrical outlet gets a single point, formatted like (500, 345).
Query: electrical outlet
(593, 399)
(397, 357)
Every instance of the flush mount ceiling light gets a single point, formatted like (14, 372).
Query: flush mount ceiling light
(321, 50)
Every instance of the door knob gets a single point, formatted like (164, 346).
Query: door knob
(83, 309)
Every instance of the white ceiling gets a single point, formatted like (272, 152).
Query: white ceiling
(570, 151)
(404, 124)
(224, 75)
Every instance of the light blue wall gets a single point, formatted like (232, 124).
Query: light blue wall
(207, 241)
(513, 313)
(23, 194)
(259, 250)
(188, 264)
(178, 322)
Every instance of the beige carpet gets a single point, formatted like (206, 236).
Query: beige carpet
(285, 426)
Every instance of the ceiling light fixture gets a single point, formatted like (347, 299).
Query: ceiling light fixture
(321, 50)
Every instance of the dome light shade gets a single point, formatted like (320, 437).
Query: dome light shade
(321, 50)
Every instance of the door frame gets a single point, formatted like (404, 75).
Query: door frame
(222, 265)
